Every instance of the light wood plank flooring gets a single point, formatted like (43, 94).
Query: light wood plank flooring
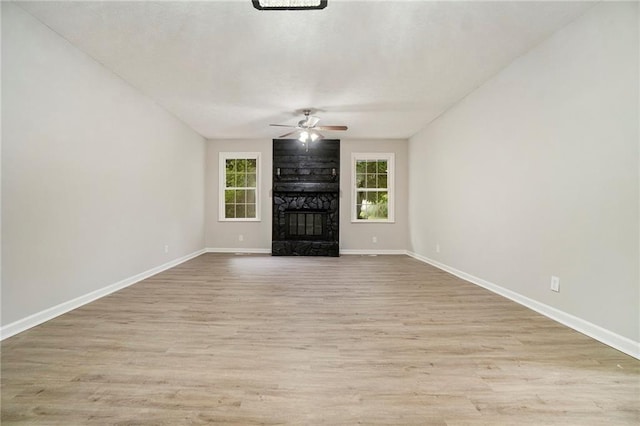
(255, 339)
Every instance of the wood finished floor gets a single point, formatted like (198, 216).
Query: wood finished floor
(256, 339)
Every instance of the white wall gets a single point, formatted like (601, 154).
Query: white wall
(96, 178)
(390, 236)
(536, 174)
(353, 236)
(224, 235)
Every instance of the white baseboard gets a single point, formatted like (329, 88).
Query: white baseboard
(238, 250)
(603, 335)
(50, 313)
(268, 251)
(372, 252)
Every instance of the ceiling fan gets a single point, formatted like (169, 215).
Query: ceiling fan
(307, 129)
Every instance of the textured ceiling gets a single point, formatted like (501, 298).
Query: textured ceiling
(385, 69)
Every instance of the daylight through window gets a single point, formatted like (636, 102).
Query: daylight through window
(373, 178)
(239, 186)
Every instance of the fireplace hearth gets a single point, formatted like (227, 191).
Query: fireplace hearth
(305, 198)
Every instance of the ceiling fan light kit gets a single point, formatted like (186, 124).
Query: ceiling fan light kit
(289, 4)
(307, 129)
(309, 136)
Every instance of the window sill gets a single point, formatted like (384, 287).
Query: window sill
(373, 221)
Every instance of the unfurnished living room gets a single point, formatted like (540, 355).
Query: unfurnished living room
(320, 212)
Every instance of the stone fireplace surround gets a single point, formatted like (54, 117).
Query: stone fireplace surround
(284, 243)
(306, 200)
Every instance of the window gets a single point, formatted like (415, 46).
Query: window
(372, 199)
(239, 183)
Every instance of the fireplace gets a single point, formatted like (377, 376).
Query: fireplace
(305, 198)
(305, 224)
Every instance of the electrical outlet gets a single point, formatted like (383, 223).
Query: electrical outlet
(166, 249)
(240, 237)
(438, 248)
(555, 284)
(374, 240)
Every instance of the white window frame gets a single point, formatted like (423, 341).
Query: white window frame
(390, 158)
(222, 184)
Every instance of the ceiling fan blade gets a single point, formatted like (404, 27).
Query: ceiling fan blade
(331, 128)
(283, 125)
(312, 121)
(288, 134)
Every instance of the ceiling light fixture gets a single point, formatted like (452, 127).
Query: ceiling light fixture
(307, 135)
(289, 4)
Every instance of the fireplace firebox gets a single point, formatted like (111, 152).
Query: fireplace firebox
(303, 225)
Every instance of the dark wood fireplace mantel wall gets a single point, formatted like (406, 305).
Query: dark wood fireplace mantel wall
(306, 185)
